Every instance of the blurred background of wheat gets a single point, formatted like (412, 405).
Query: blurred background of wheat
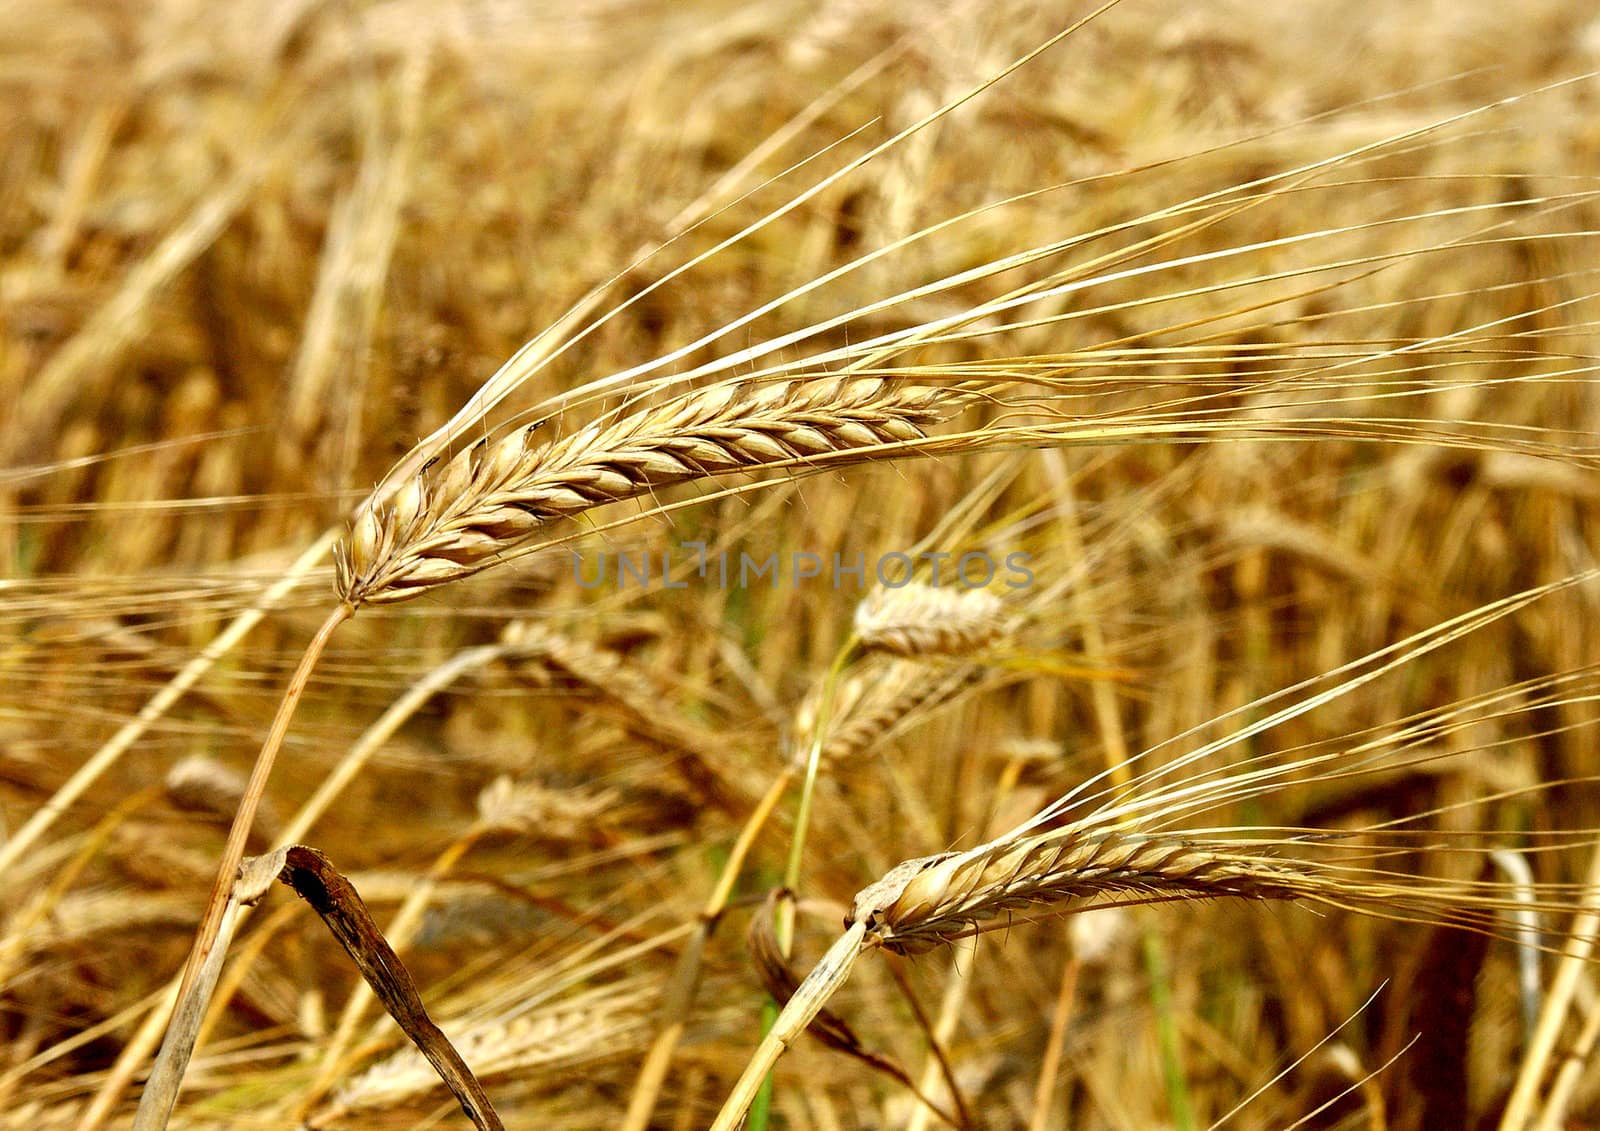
(249, 253)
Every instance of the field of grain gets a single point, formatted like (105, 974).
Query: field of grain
(1096, 534)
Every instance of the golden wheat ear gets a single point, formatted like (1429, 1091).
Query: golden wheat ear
(921, 620)
(482, 505)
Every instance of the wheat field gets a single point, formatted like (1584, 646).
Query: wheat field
(1058, 546)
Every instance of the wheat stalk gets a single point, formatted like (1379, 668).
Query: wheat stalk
(448, 524)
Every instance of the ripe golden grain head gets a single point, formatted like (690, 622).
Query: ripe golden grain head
(487, 501)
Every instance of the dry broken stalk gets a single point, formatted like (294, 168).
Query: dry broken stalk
(452, 522)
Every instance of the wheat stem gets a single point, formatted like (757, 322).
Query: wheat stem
(825, 978)
(1050, 1063)
(678, 997)
(1563, 987)
(154, 1106)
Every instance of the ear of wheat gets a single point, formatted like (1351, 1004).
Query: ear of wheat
(924, 903)
(921, 620)
(452, 522)
(930, 901)
(583, 1030)
(872, 704)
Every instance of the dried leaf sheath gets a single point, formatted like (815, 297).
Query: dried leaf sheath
(457, 520)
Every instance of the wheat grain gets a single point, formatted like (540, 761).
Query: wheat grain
(451, 523)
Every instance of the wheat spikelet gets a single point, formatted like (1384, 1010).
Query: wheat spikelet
(529, 807)
(920, 620)
(873, 703)
(927, 902)
(453, 522)
(705, 761)
(199, 784)
(585, 1029)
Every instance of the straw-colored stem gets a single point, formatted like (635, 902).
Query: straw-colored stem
(1570, 1072)
(935, 1069)
(174, 1054)
(825, 978)
(1575, 960)
(783, 916)
(183, 1030)
(678, 996)
(808, 790)
(1050, 1063)
(158, 705)
(237, 972)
